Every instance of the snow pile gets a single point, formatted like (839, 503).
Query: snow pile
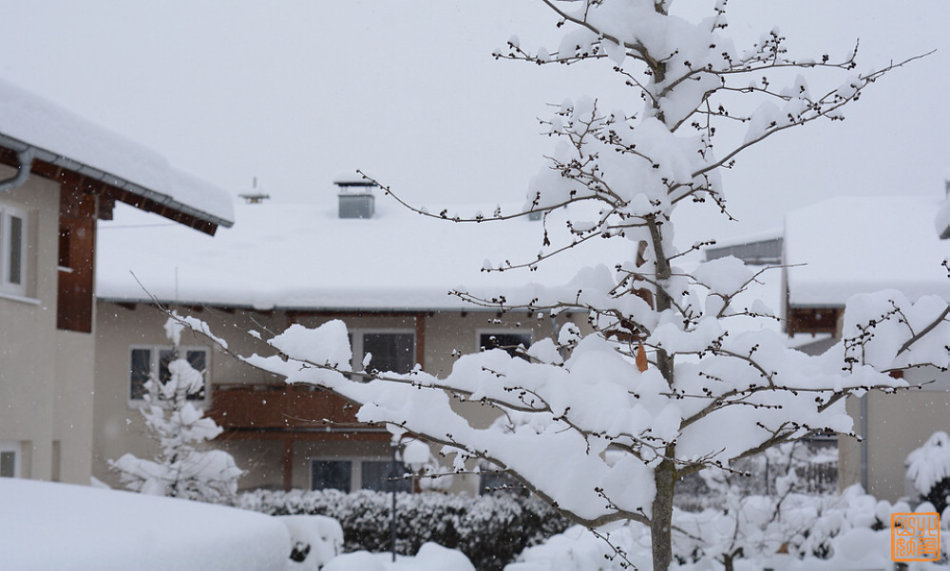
(58, 526)
(887, 329)
(431, 557)
(316, 540)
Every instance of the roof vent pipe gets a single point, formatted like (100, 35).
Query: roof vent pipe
(25, 158)
(356, 198)
(254, 198)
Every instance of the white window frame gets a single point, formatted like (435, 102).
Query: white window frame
(356, 343)
(11, 446)
(155, 365)
(7, 286)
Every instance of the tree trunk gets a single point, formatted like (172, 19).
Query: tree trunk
(661, 525)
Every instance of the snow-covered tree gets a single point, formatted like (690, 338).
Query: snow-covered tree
(180, 469)
(928, 467)
(667, 382)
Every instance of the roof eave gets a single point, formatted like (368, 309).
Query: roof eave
(124, 190)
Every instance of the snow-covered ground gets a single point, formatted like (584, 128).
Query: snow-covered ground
(46, 525)
(59, 526)
(431, 557)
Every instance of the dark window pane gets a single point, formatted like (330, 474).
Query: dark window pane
(7, 464)
(391, 351)
(16, 250)
(139, 373)
(197, 359)
(165, 356)
(379, 475)
(327, 474)
(507, 341)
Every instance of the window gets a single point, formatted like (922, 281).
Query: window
(378, 475)
(331, 474)
(12, 250)
(347, 475)
(508, 340)
(9, 459)
(151, 362)
(390, 350)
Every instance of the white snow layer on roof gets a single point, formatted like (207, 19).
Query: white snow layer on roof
(39, 123)
(59, 526)
(304, 256)
(851, 245)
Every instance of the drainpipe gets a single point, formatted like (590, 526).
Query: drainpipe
(25, 158)
(864, 443)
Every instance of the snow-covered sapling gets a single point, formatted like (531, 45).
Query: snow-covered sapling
(665, 382)
(928, 467)
(180, 469)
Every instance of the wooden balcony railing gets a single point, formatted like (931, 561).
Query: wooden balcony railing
(283, 408)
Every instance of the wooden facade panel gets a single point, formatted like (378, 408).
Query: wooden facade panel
(813, 320)
(77, 251)
(281, 408)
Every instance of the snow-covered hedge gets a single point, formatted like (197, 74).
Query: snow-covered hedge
(490, 529)
(794, 531)
(928, 467)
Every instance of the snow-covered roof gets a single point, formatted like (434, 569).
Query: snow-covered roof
(302, 256)
(850, 245)
(64, 139)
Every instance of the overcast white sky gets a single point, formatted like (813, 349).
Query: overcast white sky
(299, 91)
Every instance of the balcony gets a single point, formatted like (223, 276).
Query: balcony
(279, 411)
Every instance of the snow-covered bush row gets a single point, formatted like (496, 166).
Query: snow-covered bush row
(928, 467)
(782, 530)
(804, 467)
(490, 529)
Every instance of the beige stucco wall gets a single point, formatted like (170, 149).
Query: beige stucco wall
(46, 376)
(897, 424)
(119, 427)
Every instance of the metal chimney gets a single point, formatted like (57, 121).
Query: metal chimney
(356, 198)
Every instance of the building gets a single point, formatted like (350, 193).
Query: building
(382, 269)
(60, 175)
(849, 245)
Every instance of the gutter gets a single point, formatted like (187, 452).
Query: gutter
(25, 158)
(22, 148)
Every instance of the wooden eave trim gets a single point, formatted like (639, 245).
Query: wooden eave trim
(110, 192)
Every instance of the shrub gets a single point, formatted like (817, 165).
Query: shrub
(490, 529)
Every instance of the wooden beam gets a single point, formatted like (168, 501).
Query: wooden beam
(381, 435)
(288, 464)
